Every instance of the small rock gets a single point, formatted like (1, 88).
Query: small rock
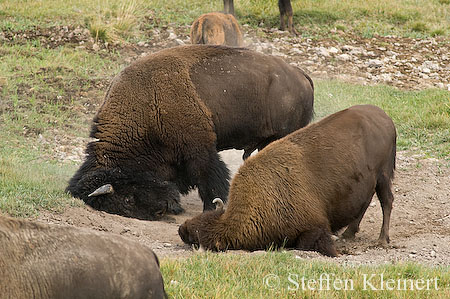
(172, 36)
(295, 51)
(375, 63)
(323, 52)
(344, 57)
(333, 50)
(141, 44)
(95, 47)
(179, 42)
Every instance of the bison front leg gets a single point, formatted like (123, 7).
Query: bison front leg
(228, 6)
(353, 227)
(286, 11)
(213, 181)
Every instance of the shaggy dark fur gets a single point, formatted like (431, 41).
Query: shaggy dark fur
(285, 12)
(216, 28)
(305, 186)
(49, 261)
(167, 115)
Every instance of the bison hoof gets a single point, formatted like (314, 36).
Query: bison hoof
(348, 235)
(175, 208)
(383, 242)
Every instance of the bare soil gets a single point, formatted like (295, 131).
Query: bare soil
(420, 222)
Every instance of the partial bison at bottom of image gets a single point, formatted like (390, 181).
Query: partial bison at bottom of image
(49, 261)
(166, 116)
(302, 188)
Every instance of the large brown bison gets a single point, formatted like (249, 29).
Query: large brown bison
(301, 188)
(167, 115)
(285, 12)
(216, 28)
(49, 261)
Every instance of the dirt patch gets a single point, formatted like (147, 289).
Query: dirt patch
(420, 222)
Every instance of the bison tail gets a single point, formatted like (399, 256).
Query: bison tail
(393, 157)
(196, 32)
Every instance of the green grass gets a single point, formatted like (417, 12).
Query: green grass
(122, 20)
(281, 275)
(422, 118)
(29, 183)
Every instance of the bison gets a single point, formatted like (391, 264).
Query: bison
(167, 115)
(302, 188)
(216, 29)
(48, 261)
(285, 12)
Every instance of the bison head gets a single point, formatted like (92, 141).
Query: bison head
(196, 231)
(137, 195)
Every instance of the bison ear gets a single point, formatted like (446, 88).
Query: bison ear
(105, 189)
(219, 204)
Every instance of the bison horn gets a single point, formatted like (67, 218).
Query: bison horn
(105, 189)
(219, 203)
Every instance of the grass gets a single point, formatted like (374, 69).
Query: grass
(123, 19)
(422, 118)
(29, 183)
(281, 275)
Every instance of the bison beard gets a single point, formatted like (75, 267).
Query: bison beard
(166, 116)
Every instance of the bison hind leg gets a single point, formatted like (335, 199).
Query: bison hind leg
(353, 227)
(386, 198)
(317, 239)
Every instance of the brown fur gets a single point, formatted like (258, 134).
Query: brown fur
(286, 12)
(301, 188)
(49, 261)
(167, 115)
(216, 29)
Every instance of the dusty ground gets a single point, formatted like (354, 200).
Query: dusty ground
(420, 223)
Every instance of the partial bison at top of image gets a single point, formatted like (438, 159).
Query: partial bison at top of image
(49, 261)
(216, 28)
(286, 12)
(167, 115)
(302, 188)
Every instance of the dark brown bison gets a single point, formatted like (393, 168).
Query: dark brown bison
(166, 115)
(216, 28)
(285, 12)
(48, 261)
(301, 188)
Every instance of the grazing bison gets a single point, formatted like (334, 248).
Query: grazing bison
(166, 115)
(216, 29)
(43, 261)
(303, 187)
(285, 12)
